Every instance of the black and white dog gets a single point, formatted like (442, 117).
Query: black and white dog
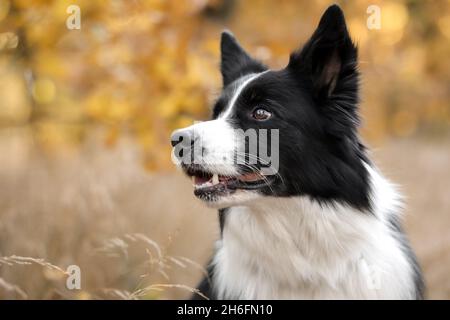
(325, 224)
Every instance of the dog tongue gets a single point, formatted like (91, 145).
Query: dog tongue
(200, 180)
(214, 179)
(250, 177)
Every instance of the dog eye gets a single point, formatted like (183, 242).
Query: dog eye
(261, 114)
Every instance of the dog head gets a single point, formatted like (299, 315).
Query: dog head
(281, 132)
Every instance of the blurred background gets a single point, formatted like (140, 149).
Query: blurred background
(86, 114)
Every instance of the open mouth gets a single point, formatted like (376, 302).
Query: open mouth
(210, 186)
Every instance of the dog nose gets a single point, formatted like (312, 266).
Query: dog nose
(182, 135)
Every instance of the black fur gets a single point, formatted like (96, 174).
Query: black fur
(222, 216)
(418, 279)
(205, 286)
(315, 105)
(235, 61)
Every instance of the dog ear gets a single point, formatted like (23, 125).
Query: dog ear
(235, 62)
(329, 58)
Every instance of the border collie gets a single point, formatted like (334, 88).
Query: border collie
(326, 224)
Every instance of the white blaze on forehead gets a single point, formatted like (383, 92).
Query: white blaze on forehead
(242, 83)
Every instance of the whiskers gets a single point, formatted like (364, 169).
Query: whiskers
(254, 168)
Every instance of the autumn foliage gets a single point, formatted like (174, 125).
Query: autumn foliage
(143, 68)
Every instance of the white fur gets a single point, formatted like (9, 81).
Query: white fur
(218, 139)
(295, 248)
(240, 85)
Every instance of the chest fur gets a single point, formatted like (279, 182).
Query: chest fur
(297, 249)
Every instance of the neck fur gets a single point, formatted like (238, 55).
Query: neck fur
(276, 240)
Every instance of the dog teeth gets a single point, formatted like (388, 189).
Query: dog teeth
(213, 181)
(204, 185)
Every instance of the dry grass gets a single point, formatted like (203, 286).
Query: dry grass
(142, 236)
(128, 230)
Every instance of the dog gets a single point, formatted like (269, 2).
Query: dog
(321, 224)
